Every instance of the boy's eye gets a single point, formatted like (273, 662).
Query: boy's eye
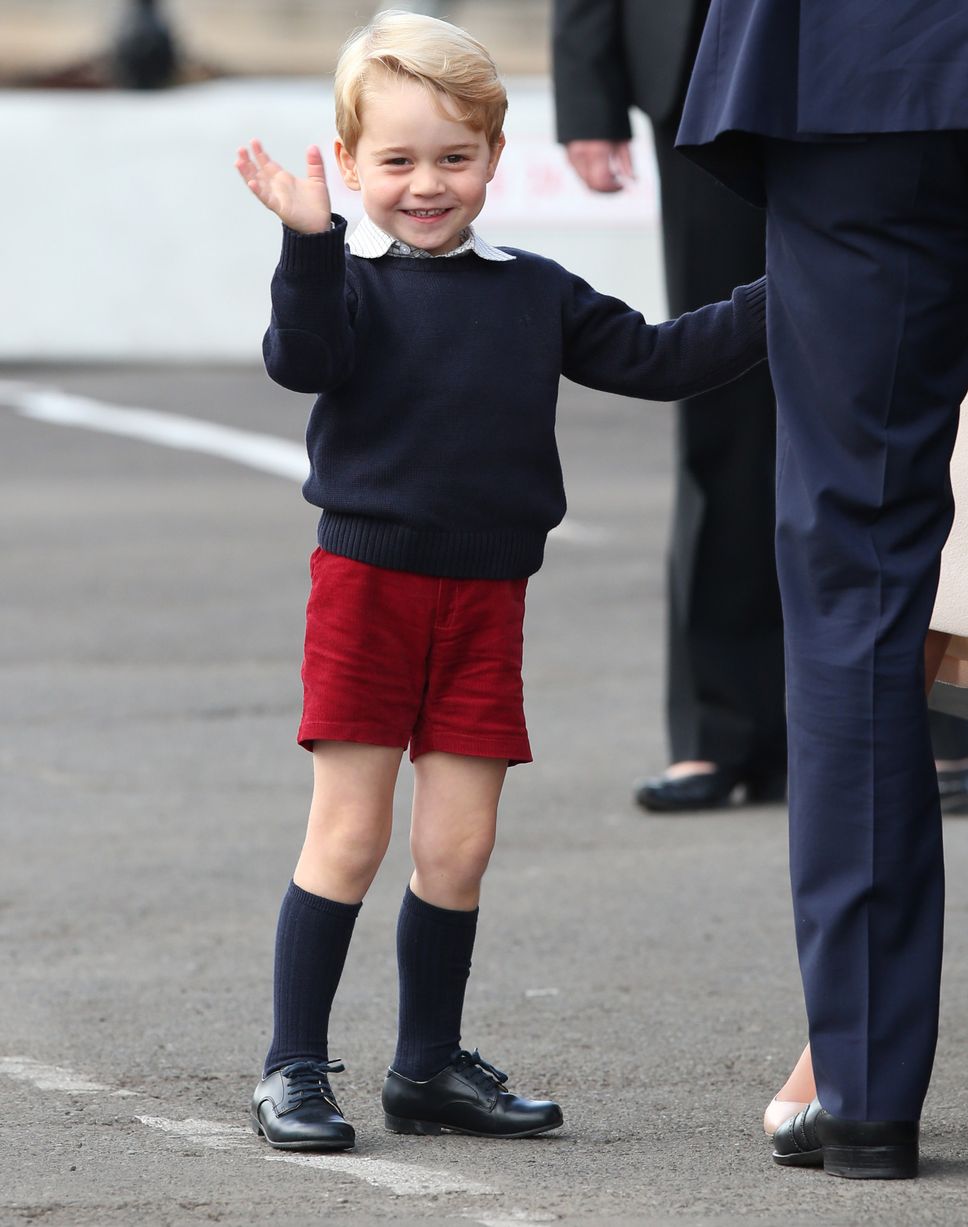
(452, 159)
(396, 161)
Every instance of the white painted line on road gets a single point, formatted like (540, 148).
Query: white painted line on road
(267, 453)
(257, 451)
(208, 1133)
(578, 534)
(400, 1178)
(516, 1217)
(49, 1077)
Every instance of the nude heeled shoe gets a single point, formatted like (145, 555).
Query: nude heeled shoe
(778, 1111)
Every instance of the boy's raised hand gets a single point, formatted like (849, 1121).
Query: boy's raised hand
(303, 204)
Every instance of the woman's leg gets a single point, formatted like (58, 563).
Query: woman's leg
(800, 1088)
(452, 835)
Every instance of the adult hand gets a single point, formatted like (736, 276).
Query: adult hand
(303, 204)
(604, 166)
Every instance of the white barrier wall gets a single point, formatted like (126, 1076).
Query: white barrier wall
(126, 234)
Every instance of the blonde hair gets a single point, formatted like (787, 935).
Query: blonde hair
(445, 59)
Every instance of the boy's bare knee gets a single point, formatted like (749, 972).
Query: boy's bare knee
(462, 859)
(356, 850)
(342, 853)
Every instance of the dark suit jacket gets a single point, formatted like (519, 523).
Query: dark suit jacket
(610, 55)
(823, 68)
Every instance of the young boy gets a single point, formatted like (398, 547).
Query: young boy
(436, 361)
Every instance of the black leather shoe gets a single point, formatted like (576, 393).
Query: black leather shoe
(468, 1096)
(294, 1108)
(709, 789)
(857, 1149)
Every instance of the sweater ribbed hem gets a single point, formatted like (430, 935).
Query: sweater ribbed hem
(492, 554)
(313, 255)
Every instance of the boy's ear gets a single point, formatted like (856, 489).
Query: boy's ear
(496, 150)
(347, 166)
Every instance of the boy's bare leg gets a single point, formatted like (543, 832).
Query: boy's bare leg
(455, 800)
(347, 836)
(350, 819)
(800, 1088)
(451, 838)
(433, 1083)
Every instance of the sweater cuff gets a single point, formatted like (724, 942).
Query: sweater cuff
(756, 300)
(309, 255)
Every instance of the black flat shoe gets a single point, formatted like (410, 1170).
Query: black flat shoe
(859, 1150)
(294, 1108)
(709, 789)
(468, 1096)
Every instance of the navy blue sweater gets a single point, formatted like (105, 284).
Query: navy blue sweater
(432, 439)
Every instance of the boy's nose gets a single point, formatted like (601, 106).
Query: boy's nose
(425, 183)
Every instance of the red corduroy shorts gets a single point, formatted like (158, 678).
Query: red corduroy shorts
(395, 659)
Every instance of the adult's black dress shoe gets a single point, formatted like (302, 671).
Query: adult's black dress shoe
(709, 789)
(857, 1149)
(294, 1108)
(468, 1096)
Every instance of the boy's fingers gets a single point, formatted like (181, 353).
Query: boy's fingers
(260, 155)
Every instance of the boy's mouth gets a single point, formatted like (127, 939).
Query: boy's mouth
(426, 215)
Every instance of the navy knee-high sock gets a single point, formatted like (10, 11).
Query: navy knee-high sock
(434, 948)
(312, 939)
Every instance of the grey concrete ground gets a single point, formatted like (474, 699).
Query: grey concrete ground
(639, 969)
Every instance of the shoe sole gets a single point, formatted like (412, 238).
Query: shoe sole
(427, 1128)
(871, 1162)
(257, 1129)
(857, 1162)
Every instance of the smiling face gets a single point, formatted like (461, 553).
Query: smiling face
(423, 175)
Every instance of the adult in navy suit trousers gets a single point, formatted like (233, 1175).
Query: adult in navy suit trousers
(849, 122)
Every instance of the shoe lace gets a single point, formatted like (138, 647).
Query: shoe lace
(482, 1072)
(308, 1080)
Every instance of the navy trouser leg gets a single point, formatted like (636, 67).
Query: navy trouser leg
(867, 259)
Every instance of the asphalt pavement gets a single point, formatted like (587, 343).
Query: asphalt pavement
(639, 969)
